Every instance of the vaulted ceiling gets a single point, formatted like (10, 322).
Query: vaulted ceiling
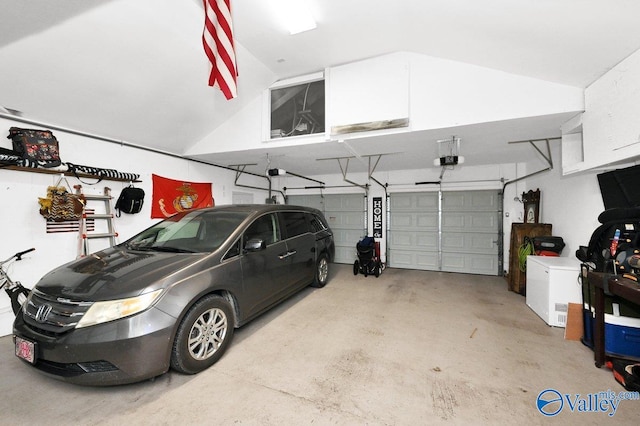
(134, 70)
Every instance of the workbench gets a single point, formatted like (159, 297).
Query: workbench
(615, 285)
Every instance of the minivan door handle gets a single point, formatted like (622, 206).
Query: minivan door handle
(287, 254)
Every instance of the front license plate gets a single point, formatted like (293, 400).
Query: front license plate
(26, 350)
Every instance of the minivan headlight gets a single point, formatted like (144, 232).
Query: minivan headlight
(111, 310)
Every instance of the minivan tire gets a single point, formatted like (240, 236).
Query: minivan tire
(203, 335)
(322, 272)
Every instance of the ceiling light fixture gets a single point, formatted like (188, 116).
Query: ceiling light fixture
(295, 15)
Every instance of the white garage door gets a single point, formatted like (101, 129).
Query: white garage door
(346, 216)
(413, 231)
(461, 234)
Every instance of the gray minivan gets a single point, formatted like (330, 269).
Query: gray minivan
(171, 296)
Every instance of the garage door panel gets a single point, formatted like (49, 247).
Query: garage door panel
(427, 221)
(344, 203)
(345, 241)
(399, 203)
(347, 237)
(427, 201)
(452, 262)
(426, 260)
(453, 221)
(453, 201)
(470, 242)
(414, 201)
(481, 221)
(485, 264)
(398, 239)
(463, 238)
(345, 214)
(346, 254)
(487, 222)
(470, 201)
(412, 240)
(489, 200)
(345, 219)
(314, 201)
(453, 241)
(411, 221)
(401, 220)
(414, 260)
(427, 241)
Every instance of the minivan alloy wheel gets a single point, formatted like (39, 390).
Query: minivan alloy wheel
(207, 334)
(322, 271)
(203, 335)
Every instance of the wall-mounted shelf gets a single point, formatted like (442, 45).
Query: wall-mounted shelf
(67, 173)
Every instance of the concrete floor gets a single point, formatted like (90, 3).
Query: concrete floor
(410, 347)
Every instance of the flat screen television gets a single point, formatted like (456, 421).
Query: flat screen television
(620, 188)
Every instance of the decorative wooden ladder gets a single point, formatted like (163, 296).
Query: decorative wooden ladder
(87, 233)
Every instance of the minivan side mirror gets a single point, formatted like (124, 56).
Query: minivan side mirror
(255, 244)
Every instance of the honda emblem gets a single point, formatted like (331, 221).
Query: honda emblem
(43, 312)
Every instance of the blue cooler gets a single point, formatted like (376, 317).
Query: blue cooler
(621, 324)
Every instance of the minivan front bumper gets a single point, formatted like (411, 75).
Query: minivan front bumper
(118, 352)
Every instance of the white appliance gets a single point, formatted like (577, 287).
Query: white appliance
(553, 283)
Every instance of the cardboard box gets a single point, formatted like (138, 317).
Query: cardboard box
(574, 327)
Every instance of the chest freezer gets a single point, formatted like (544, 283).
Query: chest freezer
(553, 283)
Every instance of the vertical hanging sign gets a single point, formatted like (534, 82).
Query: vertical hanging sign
(377, 217)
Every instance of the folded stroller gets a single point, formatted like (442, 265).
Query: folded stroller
(368, 262)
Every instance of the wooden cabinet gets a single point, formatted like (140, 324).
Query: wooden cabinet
(518, 278)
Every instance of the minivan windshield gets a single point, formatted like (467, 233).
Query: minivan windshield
(191, 232)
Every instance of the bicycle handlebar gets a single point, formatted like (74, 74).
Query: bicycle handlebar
(18, 255)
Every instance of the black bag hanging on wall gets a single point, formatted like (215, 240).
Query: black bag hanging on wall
(40, 146)
(130, 200)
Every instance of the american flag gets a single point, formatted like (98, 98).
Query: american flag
(217, 39)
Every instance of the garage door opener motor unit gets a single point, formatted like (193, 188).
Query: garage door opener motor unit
(448, 152)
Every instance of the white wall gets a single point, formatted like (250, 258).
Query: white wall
(447, 93)
(22, 227)
(570, 203)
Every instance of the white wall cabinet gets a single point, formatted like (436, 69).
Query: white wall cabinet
(611, 128)
(572, 146)
(368, 91)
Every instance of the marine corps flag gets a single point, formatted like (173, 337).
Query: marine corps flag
(174, 196)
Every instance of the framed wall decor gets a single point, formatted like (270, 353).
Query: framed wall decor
(531, 201)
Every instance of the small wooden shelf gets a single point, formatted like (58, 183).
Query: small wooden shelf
(67, 173)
